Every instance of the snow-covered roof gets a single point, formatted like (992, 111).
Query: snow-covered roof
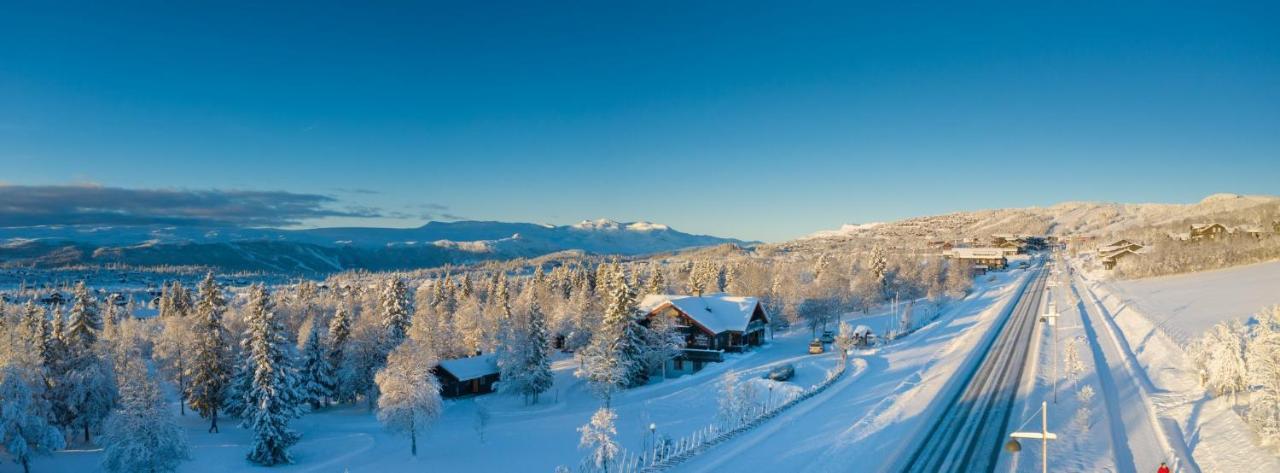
(472, 367)
(716, 312)
(976, 253)
(1121, 251)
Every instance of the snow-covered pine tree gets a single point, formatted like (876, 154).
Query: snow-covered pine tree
(657, 284)
(396, 312)
(83, 321)
(24, 429)
(140, 436)
(468, 325)
(612, 361)
(410, 397)
(538, 377)
(240, 382)
(209, 371)
(316, 373)
(82, 384)
(598, 437)
(273, 399)
(339, 334)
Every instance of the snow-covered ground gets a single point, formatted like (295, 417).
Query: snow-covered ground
(860, 423)
(1187, 305)
(516, 438)
(1147, 323)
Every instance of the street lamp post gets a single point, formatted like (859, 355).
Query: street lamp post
(1043, 435)
(653, 442)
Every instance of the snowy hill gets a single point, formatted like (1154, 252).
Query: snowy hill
(333, 249)
(1098, 218)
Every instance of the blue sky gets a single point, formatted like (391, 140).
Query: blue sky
(754, 120)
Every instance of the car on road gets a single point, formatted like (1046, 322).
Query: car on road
(828, 336)
(781, 372)
(816, 347)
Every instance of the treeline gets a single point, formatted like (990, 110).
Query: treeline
(83, 373)
(1166, 256)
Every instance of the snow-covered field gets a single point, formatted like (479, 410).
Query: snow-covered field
(1152, 320)
(1187, 305)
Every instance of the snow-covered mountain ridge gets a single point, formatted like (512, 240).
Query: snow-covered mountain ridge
(1098, 218)
(331, 249)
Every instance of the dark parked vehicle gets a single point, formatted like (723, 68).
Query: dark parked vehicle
(781, 372)
(828, 336)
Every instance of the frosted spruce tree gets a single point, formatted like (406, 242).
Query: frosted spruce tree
(316, 374)
(209, 370)
(336, 355)
(598, 437)
(537, 362)
(410, 398)
(140, 436)
(273, 398)
(612, 361)
(396, 312)
(82, 383)
(24, 429)
(657, 284)
(84, 322)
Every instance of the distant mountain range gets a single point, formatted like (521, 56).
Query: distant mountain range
(332, 249)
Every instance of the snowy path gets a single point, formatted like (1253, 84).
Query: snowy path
(1150, 438)
(1130, 429)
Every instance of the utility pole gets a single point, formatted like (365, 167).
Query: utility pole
(1043, 435)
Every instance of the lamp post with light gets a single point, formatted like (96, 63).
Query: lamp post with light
(1043, 435)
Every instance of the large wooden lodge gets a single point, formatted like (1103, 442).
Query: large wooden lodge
(712, 324)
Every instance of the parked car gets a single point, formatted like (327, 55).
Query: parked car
(828, 336)
(816, 347)
(781, 372)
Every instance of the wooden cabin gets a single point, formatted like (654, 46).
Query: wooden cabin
(1110, 259)
(1208, 231)
(467, 376)
(711, 323)
(992, 258)
(1120, 245)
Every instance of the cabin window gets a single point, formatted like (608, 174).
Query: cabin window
(701, 340)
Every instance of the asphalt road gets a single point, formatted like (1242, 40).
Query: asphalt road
(973, 427)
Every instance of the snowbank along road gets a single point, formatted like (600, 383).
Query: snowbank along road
(972, 427)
